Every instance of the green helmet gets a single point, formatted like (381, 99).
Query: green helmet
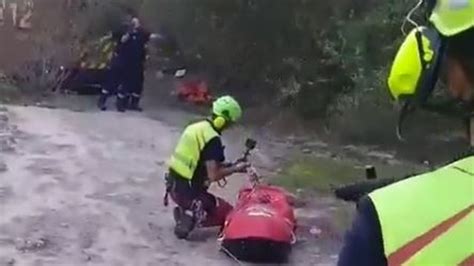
(227, 107)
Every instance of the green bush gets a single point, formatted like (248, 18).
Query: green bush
(320, 58)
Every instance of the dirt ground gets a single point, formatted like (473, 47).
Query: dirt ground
(82, 187)
(85, 188)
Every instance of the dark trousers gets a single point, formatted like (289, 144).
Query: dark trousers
(117, 82)
(137, 79)
(184, 195)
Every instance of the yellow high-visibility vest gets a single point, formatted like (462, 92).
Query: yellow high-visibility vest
(429, 219)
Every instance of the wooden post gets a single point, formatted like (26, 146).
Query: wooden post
(3, 5)
(2, 16)
(14, 8)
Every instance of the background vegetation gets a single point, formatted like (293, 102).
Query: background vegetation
(325, 62)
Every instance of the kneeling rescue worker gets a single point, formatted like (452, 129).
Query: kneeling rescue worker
(197, 161)
(427, 219)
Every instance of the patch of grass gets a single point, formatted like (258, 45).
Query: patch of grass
(319, 174)
(316, 173)
(8, 92)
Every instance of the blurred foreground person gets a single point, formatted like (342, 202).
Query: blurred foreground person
(426, 219)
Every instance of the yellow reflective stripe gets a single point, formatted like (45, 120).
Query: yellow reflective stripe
(450, 248)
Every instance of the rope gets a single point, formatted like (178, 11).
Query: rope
(409, 19)
(294, 239)
(228, 253)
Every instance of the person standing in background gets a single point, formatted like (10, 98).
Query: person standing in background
(127, 69)
(116, 81)
(138, 40)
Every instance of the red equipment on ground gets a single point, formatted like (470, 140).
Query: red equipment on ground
(261, 228)
(195, 91)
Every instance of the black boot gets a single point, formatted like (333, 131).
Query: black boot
(185, 222)
(102, 103)
(121, 103)
(135, 104)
